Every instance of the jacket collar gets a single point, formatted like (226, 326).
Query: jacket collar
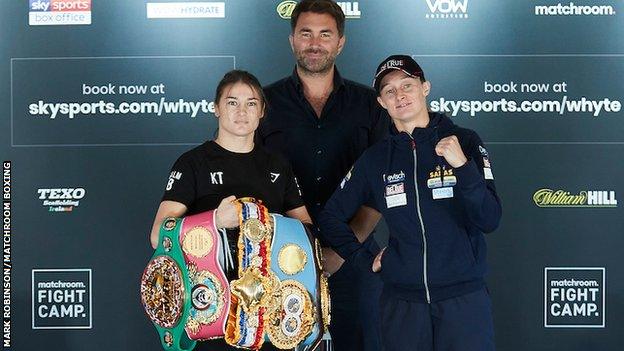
(439, 125)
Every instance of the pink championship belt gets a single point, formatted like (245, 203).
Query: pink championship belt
(210, 291)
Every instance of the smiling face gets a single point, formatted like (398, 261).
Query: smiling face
(239, 109)
(315, 41)
(405, 98)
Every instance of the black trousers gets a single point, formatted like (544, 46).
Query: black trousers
(462, 323)
(355, 309)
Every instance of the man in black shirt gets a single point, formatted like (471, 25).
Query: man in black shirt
(322, 123)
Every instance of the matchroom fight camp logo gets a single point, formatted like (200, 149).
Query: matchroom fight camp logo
(574, 297)
(61, 299)
(59, 12)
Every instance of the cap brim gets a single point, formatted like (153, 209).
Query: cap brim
(379, 77)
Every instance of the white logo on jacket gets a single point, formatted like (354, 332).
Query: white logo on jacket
(396, 177)
(274, 177)
(216, 177)
(175, 175)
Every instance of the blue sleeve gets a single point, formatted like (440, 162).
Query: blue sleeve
(353, 192)
(476, 187)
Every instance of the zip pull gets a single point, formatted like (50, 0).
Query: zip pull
(412, 141)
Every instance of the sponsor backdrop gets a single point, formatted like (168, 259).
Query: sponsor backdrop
(98, 98)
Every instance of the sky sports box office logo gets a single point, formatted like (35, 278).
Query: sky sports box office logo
(59, 12)
(61, 299)
(574, 297)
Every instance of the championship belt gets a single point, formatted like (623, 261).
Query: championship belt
(300, 317)
(165, 289)
(252, 294)
(210, 292)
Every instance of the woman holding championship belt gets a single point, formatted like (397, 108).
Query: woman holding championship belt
(216, 173)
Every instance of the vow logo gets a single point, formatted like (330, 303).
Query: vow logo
(447, 9)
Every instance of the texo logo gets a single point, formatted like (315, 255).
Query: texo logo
(61, 194)
(61, 199)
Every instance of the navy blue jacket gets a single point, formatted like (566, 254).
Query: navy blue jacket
(436, 214)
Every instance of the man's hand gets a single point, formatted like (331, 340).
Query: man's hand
(450, 149)
(377, 261)
(331, 261)
(227, 213)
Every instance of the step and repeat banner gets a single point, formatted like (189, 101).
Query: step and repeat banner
(99, 97)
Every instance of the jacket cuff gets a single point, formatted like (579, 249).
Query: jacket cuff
(371, 244)
(468, 174)
(364, 260)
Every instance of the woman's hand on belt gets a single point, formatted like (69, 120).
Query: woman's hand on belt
(227, 213)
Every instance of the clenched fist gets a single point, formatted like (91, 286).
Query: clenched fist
(450, 149)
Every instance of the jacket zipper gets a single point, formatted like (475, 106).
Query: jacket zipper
(422, 224)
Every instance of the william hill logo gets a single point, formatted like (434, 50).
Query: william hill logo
(350, 9)
(562, 198)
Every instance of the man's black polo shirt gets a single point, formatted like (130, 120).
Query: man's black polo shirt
(321, 150)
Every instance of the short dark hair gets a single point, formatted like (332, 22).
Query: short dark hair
(321, 7)
(239, 76)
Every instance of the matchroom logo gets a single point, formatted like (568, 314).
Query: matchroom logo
(574, 297)
(585, 198)
(61, 299)
(571, 9)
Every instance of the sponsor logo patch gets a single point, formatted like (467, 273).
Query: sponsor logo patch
(447, 9)
(61, 299)
(61, 199)
(586, 198)
(393, 189)
(59, 12)
(574, 297)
